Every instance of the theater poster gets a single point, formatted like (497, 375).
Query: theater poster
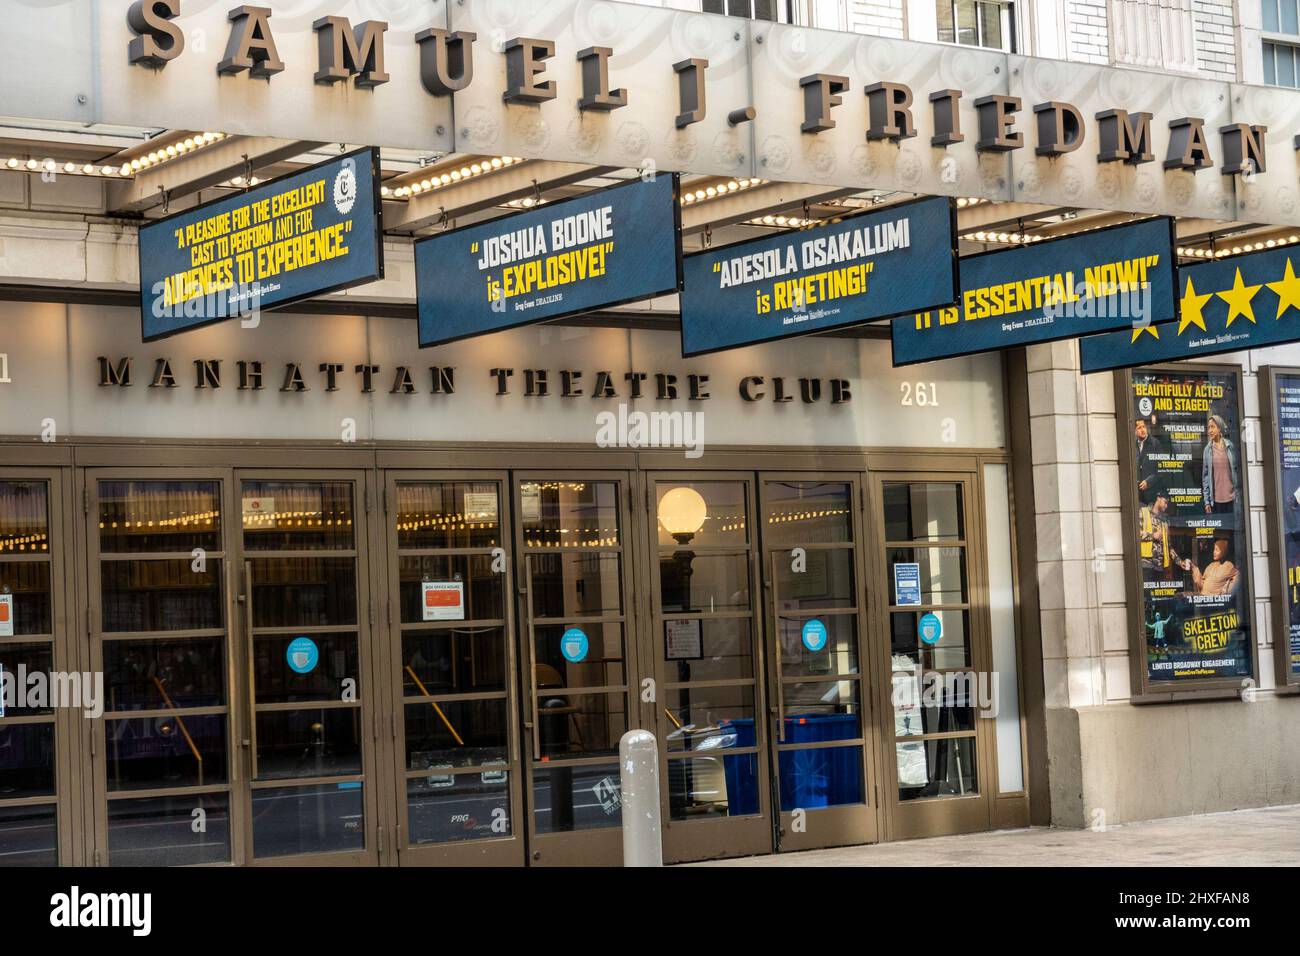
(1280, 409)
(1193, 545)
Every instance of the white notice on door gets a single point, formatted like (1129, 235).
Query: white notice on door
(683, 641)
(444, 601)
(481, 506)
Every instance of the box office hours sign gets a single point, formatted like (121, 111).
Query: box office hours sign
(1190, 526)
(601, 249)
(869, 266)
(1110, 278)
(1280, 394)
(1226, 305)
(302, 235)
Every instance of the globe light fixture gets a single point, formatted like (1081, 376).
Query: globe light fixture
(682, 512)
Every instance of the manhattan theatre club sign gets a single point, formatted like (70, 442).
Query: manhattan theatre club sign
(355, 52)
(255, 375)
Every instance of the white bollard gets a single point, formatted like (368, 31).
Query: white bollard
(638, 760)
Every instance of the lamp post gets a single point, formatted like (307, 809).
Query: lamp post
(682, 512)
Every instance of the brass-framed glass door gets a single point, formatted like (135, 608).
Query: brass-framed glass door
(158, 573)
(814, 573)
(452, 669)
(579, 660)
(312, 731)
(705, 654)
(936, 670)
(37, 761)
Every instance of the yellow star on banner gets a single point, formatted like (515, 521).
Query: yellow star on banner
(1238, 299)
(1139, 329)
(1191, 307)
(1287, 289)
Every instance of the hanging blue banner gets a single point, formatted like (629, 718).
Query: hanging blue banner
(315, 231)
(1056, 289)
(1227, 305)
(597, 250)
(868, 266)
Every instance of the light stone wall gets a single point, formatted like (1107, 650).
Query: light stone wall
(1087, 26)
(1137, 761)
(882, 18)
(1216, 38)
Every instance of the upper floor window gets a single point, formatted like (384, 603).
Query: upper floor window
(1280, 66)
(1281, 16)
(1281, 58)
(975, 23)
(778, 10)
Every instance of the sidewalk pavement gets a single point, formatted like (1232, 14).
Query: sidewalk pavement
(1269, 836)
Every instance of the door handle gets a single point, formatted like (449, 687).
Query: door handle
(247, 600)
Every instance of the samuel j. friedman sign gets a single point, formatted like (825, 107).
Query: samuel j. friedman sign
(615, 84)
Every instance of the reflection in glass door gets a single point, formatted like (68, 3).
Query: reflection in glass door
(823, 745)
(711, 737)
(305, 603)
(578, 670)
(33, 751)
(935, 661)
(159, 635)
(449, 613)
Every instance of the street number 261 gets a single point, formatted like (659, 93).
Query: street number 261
(919, 393)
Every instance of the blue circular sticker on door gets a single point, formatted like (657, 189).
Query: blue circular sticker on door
(814, 635)
(930, 628)
(302, 655)
(574, 645)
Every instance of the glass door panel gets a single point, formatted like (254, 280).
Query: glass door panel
(815, 593)
(935, 661)
(304, 601)
(709, 717)
(32, 731)
(458, 760)
(160, 634)
(580, 663)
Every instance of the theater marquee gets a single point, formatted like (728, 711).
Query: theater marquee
(611, 84)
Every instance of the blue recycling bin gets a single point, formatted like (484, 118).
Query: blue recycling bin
(822, 776)
(808, 779)
(741, 770)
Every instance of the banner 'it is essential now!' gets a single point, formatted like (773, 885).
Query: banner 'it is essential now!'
(1056, 289)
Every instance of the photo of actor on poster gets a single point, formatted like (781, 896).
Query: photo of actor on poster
(1219, 474)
